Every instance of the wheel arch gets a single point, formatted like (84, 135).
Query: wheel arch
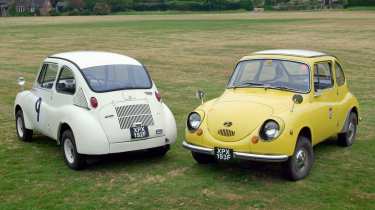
(63, 126)
(305, 132)
(28, 124)
(352, 109)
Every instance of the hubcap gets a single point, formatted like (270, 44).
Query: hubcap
(351, 131)
(301, 159)
(69, 151)
(20, 127)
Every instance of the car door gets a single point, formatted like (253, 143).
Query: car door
(341, 92)
(325, 98)
(63, 94)
(43, 92)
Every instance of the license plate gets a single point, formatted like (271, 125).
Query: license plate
(139, 132)
(223, 154)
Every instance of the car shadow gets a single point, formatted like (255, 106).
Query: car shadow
(97, 162)
(265, 170)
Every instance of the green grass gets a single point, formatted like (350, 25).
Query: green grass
(371, 8)
(185, 53)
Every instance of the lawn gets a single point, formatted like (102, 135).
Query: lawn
(184, 53)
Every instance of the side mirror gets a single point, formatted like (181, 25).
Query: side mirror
(297, 99)
(21, 82)
(200, 94)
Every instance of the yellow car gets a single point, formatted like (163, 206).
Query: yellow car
(277, 105)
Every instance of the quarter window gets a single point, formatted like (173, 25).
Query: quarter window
(66, 83)
(340, 77)
(323, 76)
(48, 75)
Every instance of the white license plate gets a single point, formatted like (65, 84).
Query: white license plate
(139, 132)
(224, 154)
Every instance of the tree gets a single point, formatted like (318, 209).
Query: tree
(102, 8)
(77, 4)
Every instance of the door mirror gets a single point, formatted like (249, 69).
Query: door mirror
(297, 99)
(200, 94)
(21, 82)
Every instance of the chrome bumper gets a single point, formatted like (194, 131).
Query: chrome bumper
(237, 155)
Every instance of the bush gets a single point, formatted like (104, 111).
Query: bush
(353, 3)
(102, 8)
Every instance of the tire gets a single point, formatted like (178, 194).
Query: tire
(203, 158)
(159, 151)
(72, 158)
(300, 163)
(347, 139)
(23, 133)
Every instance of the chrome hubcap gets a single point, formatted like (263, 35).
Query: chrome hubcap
(20, 127)
(69, 150)
(351, 131)
(301, 159)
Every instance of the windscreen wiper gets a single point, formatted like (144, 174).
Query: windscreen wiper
(246, 84)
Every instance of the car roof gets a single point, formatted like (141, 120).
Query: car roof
(292, 52)
(86, 59)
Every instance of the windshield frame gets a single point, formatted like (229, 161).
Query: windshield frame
(271, 87)
(118, 89)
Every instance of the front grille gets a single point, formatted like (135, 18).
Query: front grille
(226, 132)
(136, 113)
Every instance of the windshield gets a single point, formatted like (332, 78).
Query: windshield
(117, 77)
(272, 73)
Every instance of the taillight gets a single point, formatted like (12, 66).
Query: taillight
(158, 96)
(93, 102)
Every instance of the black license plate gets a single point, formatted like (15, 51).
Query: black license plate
(223, 154)
(139, 132)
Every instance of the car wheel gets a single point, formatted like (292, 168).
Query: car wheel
(159, 151)
(203, 158)
(299, 164)
(72, 158)
(23, 133)
(346, 139)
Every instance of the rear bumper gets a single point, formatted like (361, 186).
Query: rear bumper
(138, 145)
(237, 155)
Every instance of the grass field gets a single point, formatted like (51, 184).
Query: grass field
(184, 53)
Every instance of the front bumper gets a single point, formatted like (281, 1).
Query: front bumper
(237, 155)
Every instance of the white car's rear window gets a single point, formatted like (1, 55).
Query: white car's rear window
(117, 77)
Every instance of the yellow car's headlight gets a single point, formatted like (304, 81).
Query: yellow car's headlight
(270, 130)
(194, 121)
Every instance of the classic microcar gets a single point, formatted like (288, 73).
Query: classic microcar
(277, 105)
(95, 103)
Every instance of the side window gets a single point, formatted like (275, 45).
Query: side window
(340, 77)
(323, 76)
(47, 75)
(66, 83)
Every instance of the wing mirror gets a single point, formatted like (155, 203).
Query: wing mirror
(21, 82)
(297, 99)
(200, 94)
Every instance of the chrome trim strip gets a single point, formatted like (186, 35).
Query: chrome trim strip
(199, 149)
(238, 155)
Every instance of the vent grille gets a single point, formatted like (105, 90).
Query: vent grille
(80, 99)
(226, 132)
(136, 113)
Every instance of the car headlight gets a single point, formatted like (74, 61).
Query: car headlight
(269, 130)
(194, 121)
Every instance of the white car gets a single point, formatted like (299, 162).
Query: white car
(95, 103)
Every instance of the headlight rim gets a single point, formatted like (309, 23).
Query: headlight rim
(262, 132)
(188, 124)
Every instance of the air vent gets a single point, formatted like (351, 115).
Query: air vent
(134, 114)
(226, 132)
(80, 99)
